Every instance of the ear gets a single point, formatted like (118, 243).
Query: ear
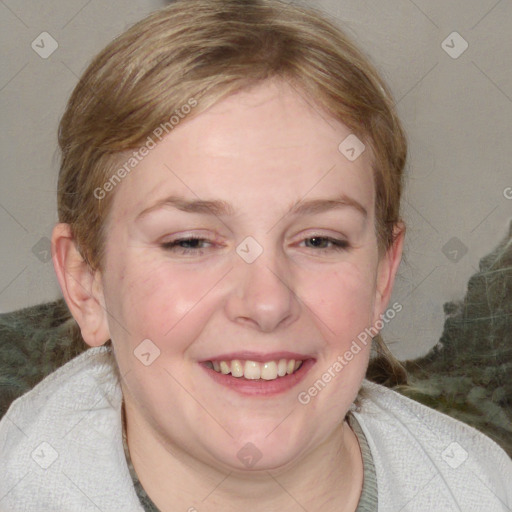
(81, 286)
(386, 272)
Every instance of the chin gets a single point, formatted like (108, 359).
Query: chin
(262, 449)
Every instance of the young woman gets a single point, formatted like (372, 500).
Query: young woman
(229, 205)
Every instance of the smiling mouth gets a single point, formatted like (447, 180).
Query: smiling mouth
(254, 370)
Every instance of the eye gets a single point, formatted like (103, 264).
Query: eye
(176, 245)
(318, 242)
(195, 245)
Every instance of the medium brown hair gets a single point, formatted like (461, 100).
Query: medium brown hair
(207, 50)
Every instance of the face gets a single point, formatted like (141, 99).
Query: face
(280, 272)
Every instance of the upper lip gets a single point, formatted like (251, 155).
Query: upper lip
(259, 357)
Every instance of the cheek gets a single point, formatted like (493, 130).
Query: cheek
(342, 299)
(153, 299)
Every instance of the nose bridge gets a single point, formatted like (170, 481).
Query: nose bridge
(263, 292)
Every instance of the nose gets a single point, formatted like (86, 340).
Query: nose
(262, 294)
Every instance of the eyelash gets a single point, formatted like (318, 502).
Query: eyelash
(337, 245)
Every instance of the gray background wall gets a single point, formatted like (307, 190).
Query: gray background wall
(457, 113)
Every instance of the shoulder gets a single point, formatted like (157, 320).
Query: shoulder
(62, 438)
(66, 389)
(425, 458)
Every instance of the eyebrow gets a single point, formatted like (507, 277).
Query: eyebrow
(221, 208)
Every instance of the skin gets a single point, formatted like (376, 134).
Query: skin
(260, 150)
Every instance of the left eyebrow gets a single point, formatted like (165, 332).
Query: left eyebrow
(313, 206)
(222, 208)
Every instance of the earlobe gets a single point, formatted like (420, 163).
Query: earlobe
(81, 287)
(388, 267)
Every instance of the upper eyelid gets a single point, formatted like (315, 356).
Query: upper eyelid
(315, 232)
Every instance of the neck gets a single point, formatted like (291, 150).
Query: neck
(329, 478)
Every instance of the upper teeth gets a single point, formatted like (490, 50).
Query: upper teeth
(253, 370)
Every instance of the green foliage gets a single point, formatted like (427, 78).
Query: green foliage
(468, 374)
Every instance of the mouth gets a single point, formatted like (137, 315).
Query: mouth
(259, 375)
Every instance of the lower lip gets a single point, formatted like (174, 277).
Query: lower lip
(261, 387)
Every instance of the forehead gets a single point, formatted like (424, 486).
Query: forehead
(267, 145)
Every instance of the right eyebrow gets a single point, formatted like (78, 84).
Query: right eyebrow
(209, 207)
